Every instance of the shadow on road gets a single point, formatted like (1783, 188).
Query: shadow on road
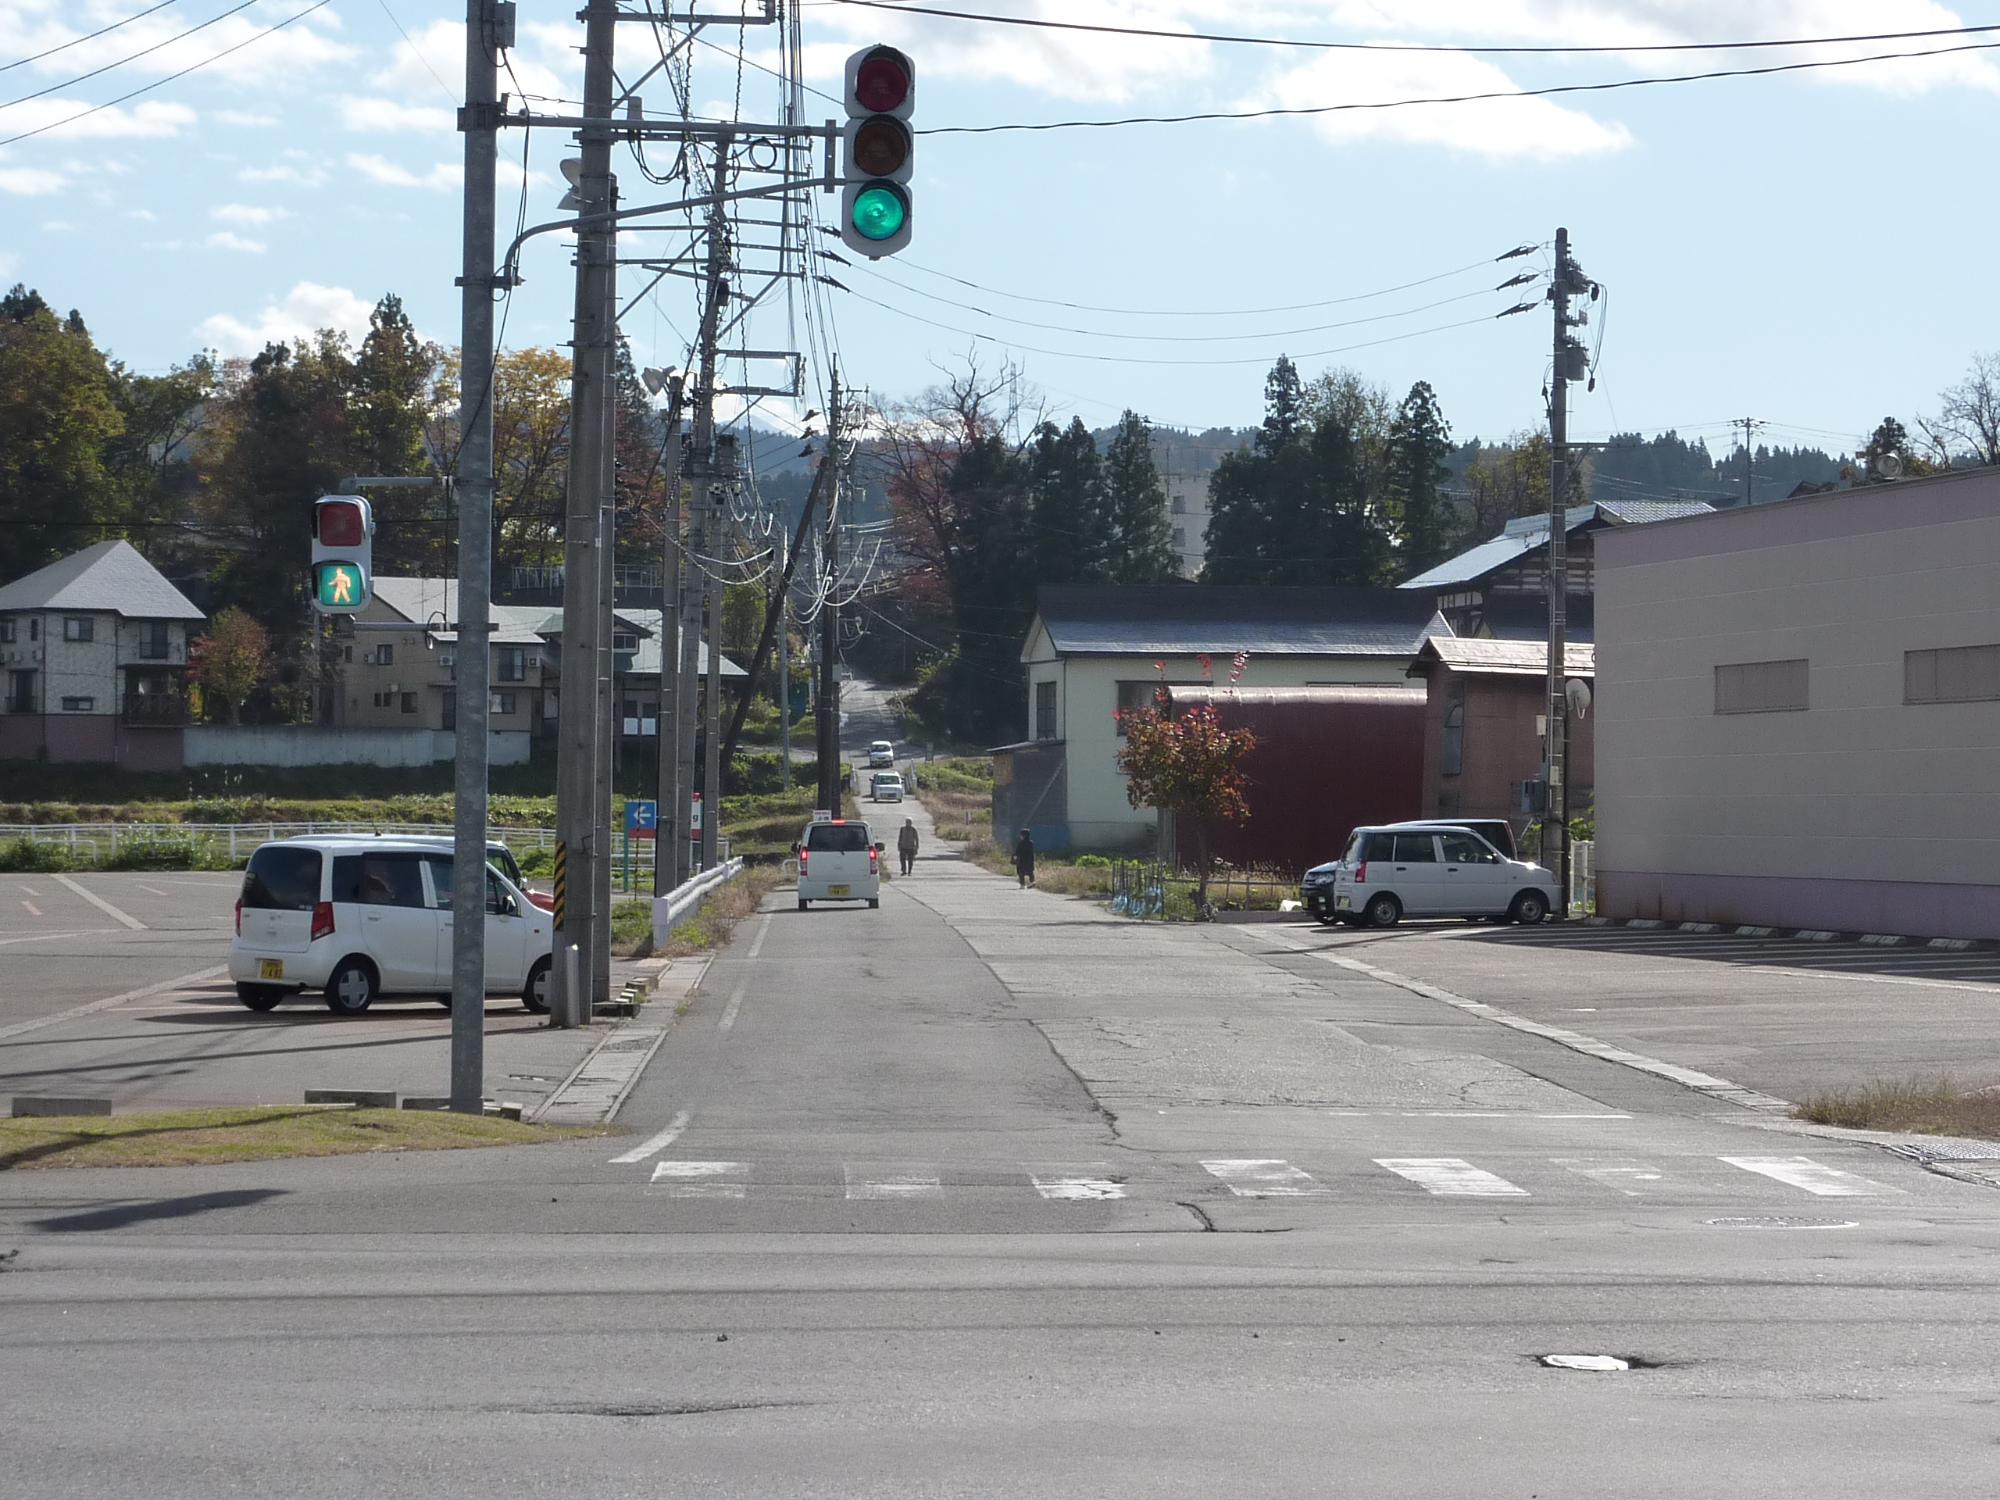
(148, 1210)
(1831, 958)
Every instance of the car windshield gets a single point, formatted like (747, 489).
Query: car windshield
(837, 838)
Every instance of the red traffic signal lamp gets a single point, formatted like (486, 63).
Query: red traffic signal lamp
(877, 150)
(343, 554)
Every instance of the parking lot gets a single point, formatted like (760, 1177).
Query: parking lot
(1778, 1015)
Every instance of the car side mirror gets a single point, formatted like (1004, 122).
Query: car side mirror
(795, 848)
(880, 847)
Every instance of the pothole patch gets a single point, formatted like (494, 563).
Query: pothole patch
(1596, 1364)
(1779, 1221)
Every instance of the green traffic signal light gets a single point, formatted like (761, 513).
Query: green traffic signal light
(339, 585)
(879, 212)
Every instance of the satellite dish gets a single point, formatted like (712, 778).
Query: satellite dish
(1887, 466)
(1577, 691)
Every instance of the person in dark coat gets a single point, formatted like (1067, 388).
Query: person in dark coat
(906, 844)
(1024, 858)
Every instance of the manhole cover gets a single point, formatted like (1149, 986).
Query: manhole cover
(1779, 1221)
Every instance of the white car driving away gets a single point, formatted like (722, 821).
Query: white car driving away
(1389, 873)
(838, 861)
(881, 753)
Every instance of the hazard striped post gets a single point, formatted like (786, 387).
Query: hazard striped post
(562, 886)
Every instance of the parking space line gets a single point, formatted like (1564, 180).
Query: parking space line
(154, 889)
(76, 1012)
(31, 891)
(101, 904)
(50, 937)
(656, 1145)
(33, 910)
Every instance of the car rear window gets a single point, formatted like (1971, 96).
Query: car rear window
(837, 838)
(282, 879)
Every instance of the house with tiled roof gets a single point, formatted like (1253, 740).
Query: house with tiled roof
(93, 661)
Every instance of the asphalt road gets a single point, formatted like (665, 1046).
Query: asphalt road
(989, 1193)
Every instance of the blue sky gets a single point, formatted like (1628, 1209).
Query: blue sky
(1812, 250)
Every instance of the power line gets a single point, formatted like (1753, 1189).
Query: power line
(1489, 51)
(1276, 112)
(425, 60)
(129, 57)
(88, 36)
(171, 77)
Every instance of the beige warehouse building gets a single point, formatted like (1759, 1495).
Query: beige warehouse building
(1798, 712)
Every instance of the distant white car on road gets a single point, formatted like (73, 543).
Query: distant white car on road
(885, 786)
(881, 753)
(1389, 873)
(838, 861)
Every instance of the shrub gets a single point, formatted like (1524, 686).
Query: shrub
(29, 856)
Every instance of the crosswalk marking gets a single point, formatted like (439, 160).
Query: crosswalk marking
(704, 1179)
(1449, 1177)
(1619, 1173)
(1074, 1184)
(1804, 1172)
(1263, 1177)
(873, 1182)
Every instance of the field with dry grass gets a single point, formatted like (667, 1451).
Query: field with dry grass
(1922, 1106)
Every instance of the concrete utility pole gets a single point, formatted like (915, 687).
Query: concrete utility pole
(479, 122)
(609, 710)
(671, 832)
(698, 605)
(581, 816)
(1568, 281)
(784, 588)
(1749, 426)
(827, 721)
(711, 697)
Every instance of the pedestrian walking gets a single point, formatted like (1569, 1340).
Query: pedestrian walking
(906, 845)
(1024, 858)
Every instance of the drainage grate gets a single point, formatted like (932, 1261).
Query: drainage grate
(1779, 1221)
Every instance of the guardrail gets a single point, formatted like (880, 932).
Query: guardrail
(684, 900)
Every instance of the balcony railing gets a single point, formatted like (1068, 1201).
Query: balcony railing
(158, 710)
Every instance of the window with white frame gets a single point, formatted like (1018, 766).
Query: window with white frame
(79, 628)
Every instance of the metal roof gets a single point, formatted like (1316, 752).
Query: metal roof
(1479, 657)
(1191, 619)
(1526, 534)
(110, 577)
(645, 662)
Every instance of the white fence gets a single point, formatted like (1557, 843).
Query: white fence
(1583, 876)
(684, 900)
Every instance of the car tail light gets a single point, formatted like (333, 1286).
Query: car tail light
(802, 861)
(1361, 873)
(874, 863)
(239, 916)
(322, 921)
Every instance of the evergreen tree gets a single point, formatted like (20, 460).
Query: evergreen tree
(1142, 541)
(1066, 509)
(392, 384)
(1346, 543)
(1419, 440)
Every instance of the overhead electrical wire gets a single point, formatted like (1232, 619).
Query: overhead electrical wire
(1497, 50)
(88, 36)
(158, 46)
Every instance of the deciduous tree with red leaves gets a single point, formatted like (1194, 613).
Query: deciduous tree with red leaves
(1189, 764)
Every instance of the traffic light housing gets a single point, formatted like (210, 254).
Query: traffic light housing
(343, 554)
(877, 147)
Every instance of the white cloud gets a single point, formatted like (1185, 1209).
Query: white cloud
(58, 226)
(164, 245)
(247, 213)
(224, 239)
(152, 118)
(304, 310)
(245, 117)
(1536, 128)
(380, 169)
(29, 182)
(368, 112)
(163, 44)
(143, 215)
(303, 176)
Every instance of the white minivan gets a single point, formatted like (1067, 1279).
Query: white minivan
(365, 918)
(838, 861)
(1389, 873)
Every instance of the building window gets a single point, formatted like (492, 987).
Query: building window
(1180, 539)
(79, 705)
(385, 655)
(383, 700)
(500, 703)
(513, 663)
(7, 630)
(622, 640)
(1453, 761)
(1952, 674)
(347, 654)
(1761, 687)
(153, 640)
(409, 703)
(1045, 710)
(35, 627)
(79, 628)
(1135, 696)
(1179, 506)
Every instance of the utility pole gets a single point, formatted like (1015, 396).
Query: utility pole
(479, 122)
(1568, 281)
(609, 711)
(698, 611)
(827, 722)
(784, 589)
(671, 833)
(582, 818)
(1748, 424)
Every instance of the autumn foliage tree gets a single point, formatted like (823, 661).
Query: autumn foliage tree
(1190, 765)
(230, 661)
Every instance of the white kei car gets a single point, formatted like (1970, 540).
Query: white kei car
(838, 861)
(365, 918)
(1389, 873)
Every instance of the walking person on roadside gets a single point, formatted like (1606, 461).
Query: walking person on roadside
(1024, 858)
(906, 845)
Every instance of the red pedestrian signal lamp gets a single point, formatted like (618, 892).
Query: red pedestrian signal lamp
(876, 151)
(343, 547)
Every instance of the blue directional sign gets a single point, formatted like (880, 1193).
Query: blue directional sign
(642, 819)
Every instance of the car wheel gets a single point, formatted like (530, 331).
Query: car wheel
(1529, 908)
(804, 904)
(1383, 911)
(874, 902)
(351, 988)
(535, 993)
(259, 996)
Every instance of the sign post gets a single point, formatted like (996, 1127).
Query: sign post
(642, 821)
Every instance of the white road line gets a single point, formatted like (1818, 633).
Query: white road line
(1621, 1174)
(656, 1145)
(31, 891)
(874, 1183)
(21, 1028)
(1264, 1177)
(33, 910)
(704, 1179)
(1448, 1177)
(763, 931)
(1469, 1114)
(50, 937)
(1804, 1172)
(735, 1004)
(1850, 977)
(100, 903)
(154, 889)
(1075, 1184)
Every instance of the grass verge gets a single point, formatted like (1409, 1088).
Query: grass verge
(197, 1137)
(709, 928)
(1922, 1106)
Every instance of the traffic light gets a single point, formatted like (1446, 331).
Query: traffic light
(876, 148)
(343, 572)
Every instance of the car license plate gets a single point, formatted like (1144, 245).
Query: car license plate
(836, 890)
(1341, 903)
(270, 968)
